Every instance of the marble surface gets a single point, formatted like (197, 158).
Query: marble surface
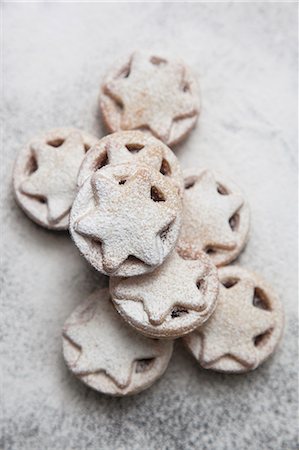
(55, 55)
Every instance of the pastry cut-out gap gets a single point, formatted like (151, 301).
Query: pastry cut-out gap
(143, 365)
(210, 251)
(185, 86)
(125, 71)
(32, 165)
(221, 189)
(234, 222)
(157, 195)
(164, 233)
(134, 147)
(134, 259)
(117, 101)
(200, 284)
(96, 243)
(178, 312)
(119, 106)
(229, 282)
(189, 184)
(101, 162)
(157, 61)
(201, 308)
(261, 339)
(260, 300)
(87, 147)
(39, 198)
(165, 168)
(56, 142)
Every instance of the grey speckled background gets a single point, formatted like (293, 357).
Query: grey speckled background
(54, 57)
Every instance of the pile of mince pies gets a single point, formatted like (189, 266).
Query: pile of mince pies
(164, 238)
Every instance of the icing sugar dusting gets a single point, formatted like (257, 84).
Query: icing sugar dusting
(55, 57)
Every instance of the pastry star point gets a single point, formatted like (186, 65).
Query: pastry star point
(162, 88)
(213, 222)
(182, 292)
(56, 173)
(119, 201)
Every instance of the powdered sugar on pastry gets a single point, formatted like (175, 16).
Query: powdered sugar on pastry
(152, 92)
(245, 327)
(126, 219)
(215, 217)
(135, 147)
(106, 354)
(45, 175)
(173, 300)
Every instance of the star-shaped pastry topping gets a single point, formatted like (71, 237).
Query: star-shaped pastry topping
(234, 325)
(54, 180)
(176, 285)
(105, 342)
(132, 147)
(133, 209)
(207, 213)
(153, 93)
